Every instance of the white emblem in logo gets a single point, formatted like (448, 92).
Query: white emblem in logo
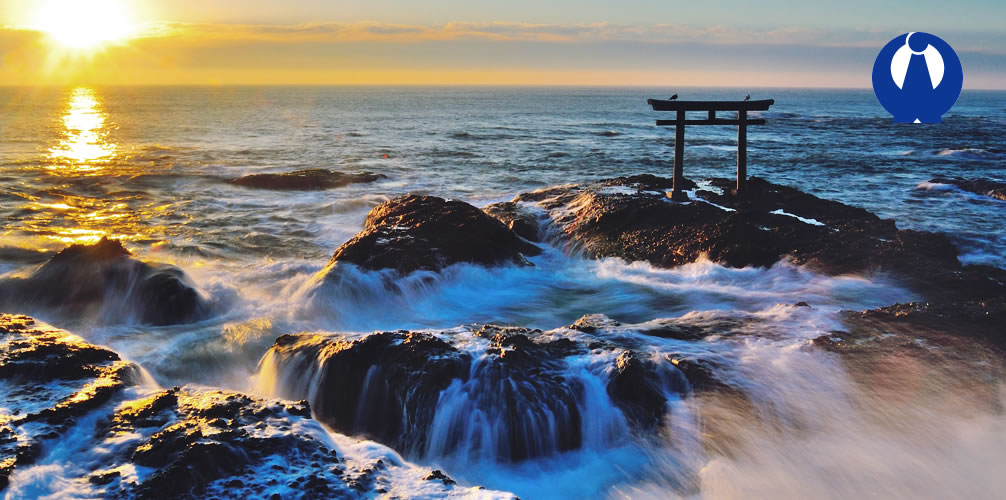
(899, 64)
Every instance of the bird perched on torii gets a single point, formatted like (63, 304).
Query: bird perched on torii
(673, 97)
(747, 97)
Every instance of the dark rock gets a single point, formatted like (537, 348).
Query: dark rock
(196, 442)
(648, 182)
(414, 232)
(980, 319)
(103, 281)
(592, 323)
(378, 386)
(636, 386)
(437, 475)
(522, 222)
(314, 179)
(389, 386)
(755, 230)
(801, 304)
(702, 375)
(53, 378)
(984, 187)
(103, 477)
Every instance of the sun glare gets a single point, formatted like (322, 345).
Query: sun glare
(84, 24)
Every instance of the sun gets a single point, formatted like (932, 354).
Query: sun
(84, 24)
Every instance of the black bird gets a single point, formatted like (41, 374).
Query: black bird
(747, 97)
(673, 97)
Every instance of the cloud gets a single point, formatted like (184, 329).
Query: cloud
(484, 53)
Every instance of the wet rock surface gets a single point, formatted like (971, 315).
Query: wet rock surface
(406, 388)
(412, 232)
(315, 179)
(199, 443)
(51, 378)
(103, 282)
(631, 218)
(984, 187)
(983, 320)
(118, 438)
(516, 218)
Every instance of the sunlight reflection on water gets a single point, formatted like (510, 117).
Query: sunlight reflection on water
(86, 143)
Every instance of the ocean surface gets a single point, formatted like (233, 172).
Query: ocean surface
(149, 165)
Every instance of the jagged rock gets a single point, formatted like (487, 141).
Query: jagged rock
(591, 323)
(378, 385)
(53, 378)
(632, 219)
(637, 388)
(203, 442)
(979, 319)
(102, 281)
(422, 395)
(984, 187)
(141, 442)
(414, 232)
(522, 222)
(438, 475)
(315, 179)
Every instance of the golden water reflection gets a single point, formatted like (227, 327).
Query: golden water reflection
(85, 144)
(85, 196)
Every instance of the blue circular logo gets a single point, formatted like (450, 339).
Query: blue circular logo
(917, 78)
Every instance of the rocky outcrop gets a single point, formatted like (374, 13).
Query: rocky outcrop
(51, 378)
(380, 386)
(631, 218)
(434, 395)
(80, 406)
(518, 219)
(201, 443)
(984, 187)
(980, 319)
(315, 179)
(413, 232)
(104, 283)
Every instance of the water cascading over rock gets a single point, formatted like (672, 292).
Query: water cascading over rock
(498, 394)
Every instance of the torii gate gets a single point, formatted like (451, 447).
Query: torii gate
(711, 107)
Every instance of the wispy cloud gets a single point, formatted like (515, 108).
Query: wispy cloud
(491, 52)
(560, 33)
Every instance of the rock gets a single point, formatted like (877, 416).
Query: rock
(437, 475)
(984, 187)
(378, 386)
(978, 319)
(648, 182)
(52, 378)
(142, 442)
(522, 222)
(632, 219)
(315, 179)
(422, 395)
(592, 323)
(102, 281)
(701, 375)
(203, 442)
(412, 232)
(636, 386)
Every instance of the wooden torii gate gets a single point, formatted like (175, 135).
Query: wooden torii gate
(710, 107)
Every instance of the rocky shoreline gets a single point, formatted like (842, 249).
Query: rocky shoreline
(140, 441)
(386, 386)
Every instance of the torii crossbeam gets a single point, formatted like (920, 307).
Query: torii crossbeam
(710, 107)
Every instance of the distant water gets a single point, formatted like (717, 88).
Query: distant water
(149, 165)
(150, 160)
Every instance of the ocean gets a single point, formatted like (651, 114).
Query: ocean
(150, 166)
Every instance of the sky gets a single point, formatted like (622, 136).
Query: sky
(515, 42)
